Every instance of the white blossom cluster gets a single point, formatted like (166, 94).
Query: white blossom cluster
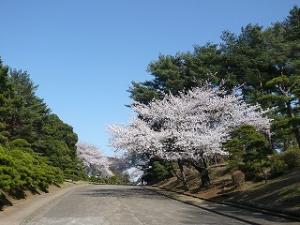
(191, 125)
(95, 163)
(134, 174)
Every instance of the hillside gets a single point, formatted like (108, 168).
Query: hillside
(280, 194)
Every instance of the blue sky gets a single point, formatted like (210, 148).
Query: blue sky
(84, 54)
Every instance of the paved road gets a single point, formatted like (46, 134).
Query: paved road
(122, 205)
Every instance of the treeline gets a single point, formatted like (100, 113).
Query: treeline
(36, 148)
(263, 65)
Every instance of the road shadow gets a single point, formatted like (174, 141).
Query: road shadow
(215, 214)
(4, 202)
(121, 192)
(198, 216)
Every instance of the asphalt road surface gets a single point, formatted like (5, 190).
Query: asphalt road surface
(122, 205)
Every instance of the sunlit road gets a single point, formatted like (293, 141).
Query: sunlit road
(122, 205)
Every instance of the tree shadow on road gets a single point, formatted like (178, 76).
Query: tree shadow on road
(4, 202)
(197, 216)
(124, 192)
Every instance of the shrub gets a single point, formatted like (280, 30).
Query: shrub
(292, 158)
(3, 139)
(238, 178)
(260, 169)
(160, 170)
(277, 165)
(19, 143)
(157, 170)
(25, 170)
(248, 150)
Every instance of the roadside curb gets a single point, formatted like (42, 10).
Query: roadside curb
(240, 206)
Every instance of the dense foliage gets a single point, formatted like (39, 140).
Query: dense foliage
(36, 147)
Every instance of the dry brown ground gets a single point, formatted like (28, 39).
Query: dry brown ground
(281, 194)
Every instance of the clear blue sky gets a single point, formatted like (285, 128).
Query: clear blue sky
(84, 54)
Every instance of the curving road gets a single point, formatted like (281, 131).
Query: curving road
(122, 205)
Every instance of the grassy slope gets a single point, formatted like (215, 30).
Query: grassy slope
(282, 193)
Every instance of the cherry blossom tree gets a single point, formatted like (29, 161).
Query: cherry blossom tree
(189, 127)
(95, 163)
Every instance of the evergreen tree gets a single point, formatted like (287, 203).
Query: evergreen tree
(36, 147)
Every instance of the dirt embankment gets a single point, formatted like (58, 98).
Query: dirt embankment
(281, 194)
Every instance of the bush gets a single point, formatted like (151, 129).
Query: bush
(248, 151)
(284, 161)
(160, 170)
(25, 170)
(277, 165)
(19, 143)
(9, 177)
(238, 178)
(157, 170)
(3, 139)
(292, 158)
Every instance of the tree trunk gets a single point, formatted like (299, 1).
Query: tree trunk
(182, 174)
(205, 180)
(181, 177)
(285, 144)
(204, 175)
(297, 135)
